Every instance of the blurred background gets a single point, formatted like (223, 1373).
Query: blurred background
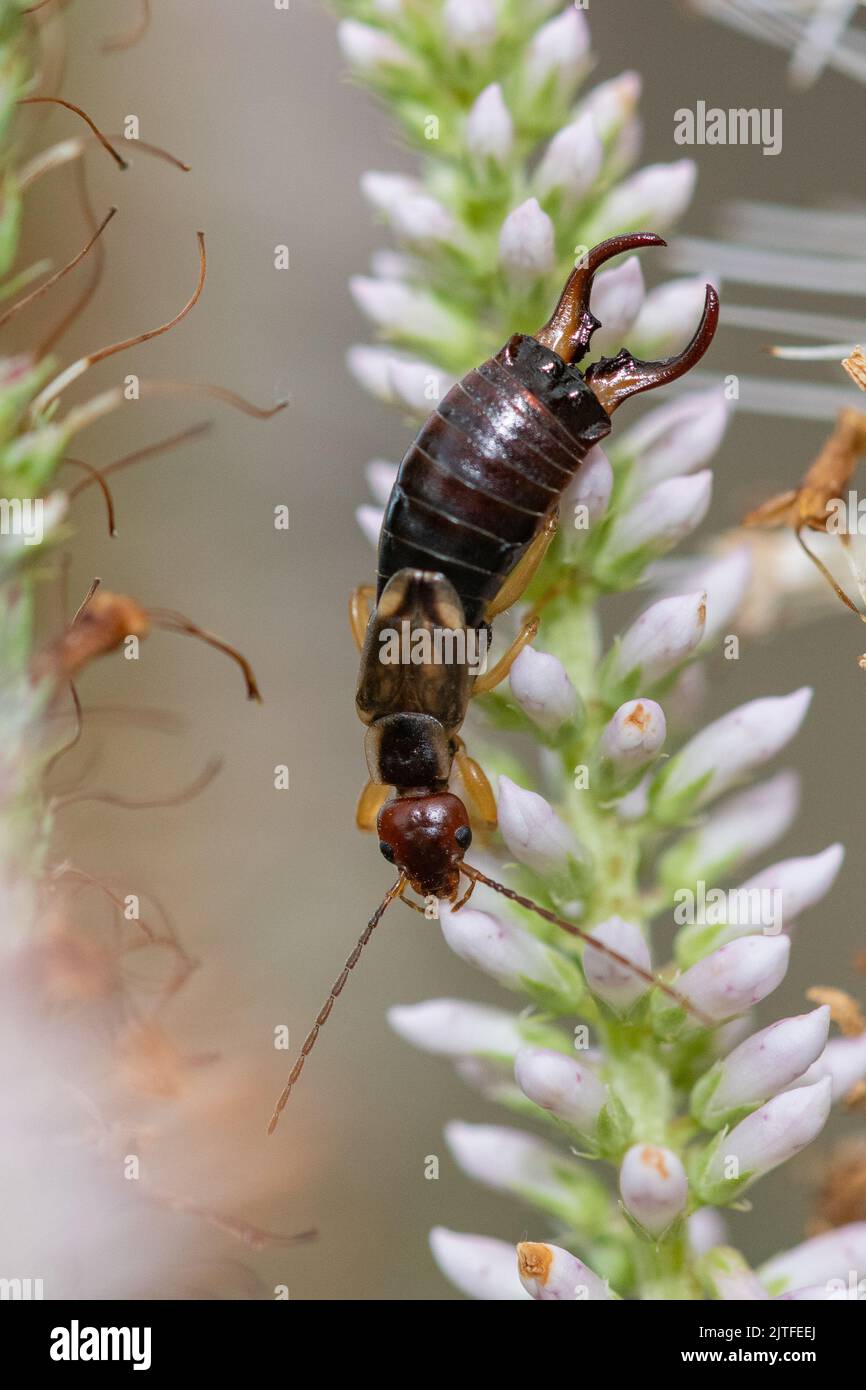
(270, 888)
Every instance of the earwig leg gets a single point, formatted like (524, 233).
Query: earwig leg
(524, 571)
(359, 612)
(614, 379)
(489, 681)
(409, 903)
(466, 896)
(370, 803)
(478, 790)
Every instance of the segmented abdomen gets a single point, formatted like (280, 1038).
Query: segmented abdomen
(487, 467)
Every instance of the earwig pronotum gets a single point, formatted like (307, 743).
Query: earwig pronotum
(470, 516)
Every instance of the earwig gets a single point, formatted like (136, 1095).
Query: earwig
(104, 622)
(471, 513)
(52, 280)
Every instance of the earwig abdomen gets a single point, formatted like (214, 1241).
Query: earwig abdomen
(487, 467)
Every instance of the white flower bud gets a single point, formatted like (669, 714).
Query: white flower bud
(470, 25)
(562, 1085)
(740, 828)
(653, 1186)
(843, 1061)
(613, 103)
(736, 976)
(833, 1255)
(585, 500)
(614, 983)
(508, 1160)
(526, 243)
(423, 221)
(771, 1135)
(767, 1062)
(706, 1230)
(381, 477)
(500, 948)
(548, 1272)
(370, 521)
(454, 1028)
(659, 520)
(676, 438)
(668, 317)
(559, 52)
(653, 197)
(370, 51)
(726, 580)
(533, 831)
(793, 885)
(540, 685)
(571, 162)
(633, 738)
(489, 127)
(730, 1277)
(384, 190)
(729, 749)
(418, 385)
(616, 301)
(661, 639)
(394, 305)
(478, 1266)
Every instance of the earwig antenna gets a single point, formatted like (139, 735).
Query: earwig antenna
(99, 475)
(589, 940)
(81, 416)
(335, 992)
(70, 106)
(94, 476)
(77, 369)
(133, 36)
(614, 379)
(180, 798)
(170, 621)
(569, 329)
(80, 304)
(58, 274)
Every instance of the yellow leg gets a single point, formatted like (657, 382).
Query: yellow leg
(479, 793)
(466, 896)
(370, 803)
(524, 571)
(359, 612)
(490, 679)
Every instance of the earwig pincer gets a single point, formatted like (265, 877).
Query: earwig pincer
(471, 514)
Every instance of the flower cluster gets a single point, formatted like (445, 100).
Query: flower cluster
(615, 810)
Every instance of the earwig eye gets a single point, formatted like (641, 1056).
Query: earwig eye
(386, 851)
(463, 836)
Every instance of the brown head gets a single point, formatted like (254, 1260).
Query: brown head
(426, 837)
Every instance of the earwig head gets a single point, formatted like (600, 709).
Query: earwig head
(426, 837)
